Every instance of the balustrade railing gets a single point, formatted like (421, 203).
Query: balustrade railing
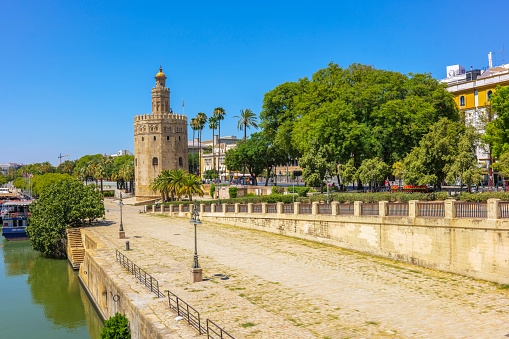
(271, 208)
(397, 209)
(369, 209)
(471, 209)
(206, 208)
(431, 209)
(305, 209)
(242, 208)
(230, 208)
(345, 209)
(324, 209)
(504, 209)
(288, 208)
(257, 208)
(185, 208)
(218, 208)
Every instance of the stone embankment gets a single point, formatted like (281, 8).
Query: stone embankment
(265, 285)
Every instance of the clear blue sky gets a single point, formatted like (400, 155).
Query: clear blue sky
(73, 74)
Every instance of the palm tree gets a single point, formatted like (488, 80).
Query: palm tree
(246, 119)
(191, 184)
(213, 123)
(127, 173)
(101, 172)
(219, 113)
(202, 120)
(161, 183)
(195, 126)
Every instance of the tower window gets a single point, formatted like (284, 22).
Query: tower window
(136, 162)
(180, 162)
(168, 138)
(462, 100)
(142, 139)
(488, 96)
(155, 162)
(154, 137)
(179, 137)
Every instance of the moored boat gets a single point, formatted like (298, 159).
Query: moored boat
(14, 216)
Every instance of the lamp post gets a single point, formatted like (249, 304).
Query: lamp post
(196, 271)
(121, 233)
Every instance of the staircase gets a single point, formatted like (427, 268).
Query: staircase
(75, 249)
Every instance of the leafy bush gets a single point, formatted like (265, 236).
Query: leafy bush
(301, 191)
(108, 194)
(233, 192)
(278, 190)
(212, 190)
(116, 327)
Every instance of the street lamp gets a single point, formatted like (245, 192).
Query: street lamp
(121, 233)
(196, 271)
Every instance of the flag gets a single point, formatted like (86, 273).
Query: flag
(182, 102)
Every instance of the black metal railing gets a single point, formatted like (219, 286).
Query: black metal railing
(150, 282)
(431, 209)
(186, 311)
(185, 208)
(288, 208)
(216, 332)
(369, 208)
(230, 208)
(218, 208)
(257, 208)
(305, 209)
(471, 209)
(206, 208)
(504, 209)
(324, 209)
(397, 209)
(271, 208)
(242, 208)
(345, 209)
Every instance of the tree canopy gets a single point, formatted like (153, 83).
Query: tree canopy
(63, 205)
(497, 131)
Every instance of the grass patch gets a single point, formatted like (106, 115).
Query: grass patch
(371, 323)
(248, 325)
(503, 287)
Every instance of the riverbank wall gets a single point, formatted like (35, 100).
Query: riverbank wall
(110, 293)
(473, 247)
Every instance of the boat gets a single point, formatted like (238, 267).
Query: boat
(14, 218)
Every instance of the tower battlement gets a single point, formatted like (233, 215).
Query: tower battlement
(156, 117)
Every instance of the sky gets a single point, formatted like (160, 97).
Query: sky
(73, 74)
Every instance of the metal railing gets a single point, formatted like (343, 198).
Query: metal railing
(150, 282)
(324, 209)
(369, 208)
(218, 208)
(305, 209)
(257, 208)
(345, 209)
(242, 208)
(397, 209)
(230, 208)
(206, 208)
(471, 209)
(271, 208)
(288, 208)
(186, 311)
(185, 208)
(214, 329)
(431, 209)
(504, 209)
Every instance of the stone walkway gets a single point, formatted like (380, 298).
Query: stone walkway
(262, 285)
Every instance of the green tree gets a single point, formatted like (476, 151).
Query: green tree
(347, 172)
(66, 204)
(116, 327)
(497, 131)
(373, 171)
(398, 170)
(201, 119)
(213, 124)
(219, 113)
(315, 162)
(246, 119)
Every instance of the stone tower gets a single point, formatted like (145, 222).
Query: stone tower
(160, 140)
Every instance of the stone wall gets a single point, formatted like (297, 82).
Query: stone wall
(112, 294)
(477, 248)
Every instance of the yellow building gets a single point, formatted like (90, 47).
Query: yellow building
(472, 92)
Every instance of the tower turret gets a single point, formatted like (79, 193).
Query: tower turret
(160, 94)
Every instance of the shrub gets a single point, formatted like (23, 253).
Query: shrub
(303, 191)
(212, 190)
(108, 193)
(116, 327)
(278, 190)
(233, 192)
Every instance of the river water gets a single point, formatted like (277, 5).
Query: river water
(42, 298)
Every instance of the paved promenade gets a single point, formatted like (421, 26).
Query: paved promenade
(263, 285)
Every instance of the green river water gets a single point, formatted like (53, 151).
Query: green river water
(42, 298)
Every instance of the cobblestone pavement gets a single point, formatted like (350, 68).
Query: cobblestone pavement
(263, 285)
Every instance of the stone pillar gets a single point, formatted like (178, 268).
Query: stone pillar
(153, 208)
(237, 208)
(224, 208)
(357, 208)
(413, 212)
(382, 208)
(196, 275)
(296, 208)
(334, 208)
(180, 208)
(493, 209)
(145, 208)
(212, 208)
(279, 208)
(202, 208)
(250, 207)
(314, 207)
(450, 210)
(264, 207)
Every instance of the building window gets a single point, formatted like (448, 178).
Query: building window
(488, 96)
(179, 137)
(462, 100)
(180, 162)
(154, 137)
(168, 138)
(142, 139)
(155, 162)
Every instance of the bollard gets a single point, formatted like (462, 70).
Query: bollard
(127, 245)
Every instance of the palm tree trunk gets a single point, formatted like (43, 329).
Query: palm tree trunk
(219, 158)
(102, 185)
(213, 153)
(245, 131)
(194, 151)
